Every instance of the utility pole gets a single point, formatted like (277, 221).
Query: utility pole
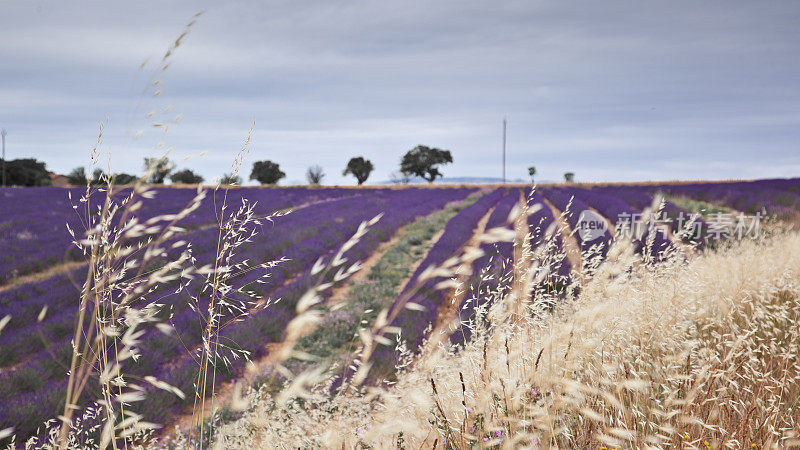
(504, 150)
(3, 135)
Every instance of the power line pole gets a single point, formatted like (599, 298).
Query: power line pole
(504, 150)
(3, 135)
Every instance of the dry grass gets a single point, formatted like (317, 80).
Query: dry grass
(690, 355)
(679, 356)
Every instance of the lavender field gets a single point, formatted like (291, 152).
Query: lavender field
(278, 259)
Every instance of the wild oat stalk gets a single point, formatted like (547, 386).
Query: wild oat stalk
(235, 229)
(113, 309)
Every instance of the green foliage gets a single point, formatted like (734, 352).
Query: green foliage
(359, 168)
(230, 178)
(787, 200)
(77, 177)
(705, 209)
(27, 172)
(26, 379)
(422, 161)
(266, 172)
(98, 177)
(158, 168)
(315, 174)
(124, 178)
(186, 176)
(569, 177)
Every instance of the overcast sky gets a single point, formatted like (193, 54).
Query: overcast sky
(610, 90)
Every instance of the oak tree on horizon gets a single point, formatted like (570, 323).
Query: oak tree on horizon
(423, 161)
(186, 176)
(360, 168)
(157, 169)
(266, 172)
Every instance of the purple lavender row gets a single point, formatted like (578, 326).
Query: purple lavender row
(780, 198)
(678, 217)
(458, 231)
(791, 185)
(24, 302)
(616, 210)
(33, 235)
(322, 237)
(549, 253)
(490, 272)
(48, 242)
(554, 255)
(494, 268)
(267, 325)
(561, 198)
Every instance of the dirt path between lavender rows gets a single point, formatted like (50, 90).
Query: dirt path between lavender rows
(224, 395)
(43, 274)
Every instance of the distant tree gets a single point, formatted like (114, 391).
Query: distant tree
(230, 178)
(315, 174)
(266, 172)
(98, 177)
(399, 178)
(158, 169)
(186, 176)
(359, 168)
(77, 177)
(125, 178)
(569, 177)
(531, 172)
(27, 172)
(422, 161)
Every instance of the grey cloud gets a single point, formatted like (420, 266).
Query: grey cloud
(610, 90)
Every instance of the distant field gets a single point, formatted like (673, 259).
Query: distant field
(42, 272)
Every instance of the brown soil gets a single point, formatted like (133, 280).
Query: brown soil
(46, 273)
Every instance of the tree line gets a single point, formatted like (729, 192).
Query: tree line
(421, 161)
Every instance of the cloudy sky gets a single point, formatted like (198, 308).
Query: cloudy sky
(611, 90)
